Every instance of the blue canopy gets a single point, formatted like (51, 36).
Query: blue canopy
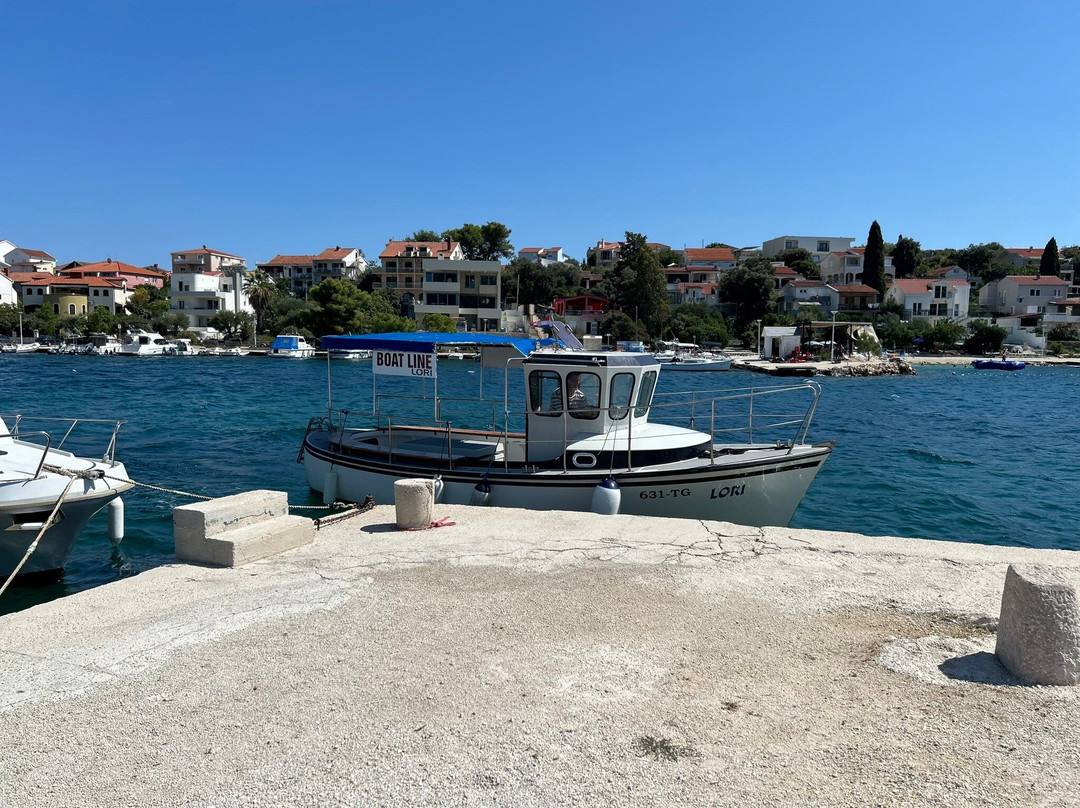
(425, 341)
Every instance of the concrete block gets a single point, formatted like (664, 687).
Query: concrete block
(203, 519)
(1038, 636)
(414, 503)
(242, 545)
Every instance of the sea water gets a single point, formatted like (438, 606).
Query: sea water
(952, 453)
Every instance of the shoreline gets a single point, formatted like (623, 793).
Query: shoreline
(564, 660)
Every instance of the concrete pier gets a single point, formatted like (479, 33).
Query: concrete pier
(524, 658)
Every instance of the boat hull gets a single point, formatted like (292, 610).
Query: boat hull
(997, 364)
(24, 506)
(765, 488)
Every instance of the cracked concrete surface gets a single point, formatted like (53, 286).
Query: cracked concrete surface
(528, 658)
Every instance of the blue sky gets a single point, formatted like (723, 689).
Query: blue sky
(136, 129)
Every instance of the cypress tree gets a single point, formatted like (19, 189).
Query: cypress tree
(1050, 263)
(873, 274)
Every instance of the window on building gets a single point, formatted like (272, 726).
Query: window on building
(56, 308)
(470, 281)
(1034, 292)
(181, 304)
(489, 280)
(71, 308)
(940, 291)
(96, 293)
(791, 244)
(441, 277)
(851, 261)
(823, 246)
(441, 299)
(40, 291)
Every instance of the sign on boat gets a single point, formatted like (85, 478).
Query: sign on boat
(590, 434)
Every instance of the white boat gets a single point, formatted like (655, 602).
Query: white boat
(234, 351)
(144, 343)
(291, 346)
(21, 347)
(350, 354)
(613, 439)
(103, 345)
(181, 347)
(36, 475)
(698, 362)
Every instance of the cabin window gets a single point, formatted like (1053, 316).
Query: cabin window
(545, 392)
(644, 396)
(622, 390)
(583, 395)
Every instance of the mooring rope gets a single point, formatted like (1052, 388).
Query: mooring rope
(190, 495)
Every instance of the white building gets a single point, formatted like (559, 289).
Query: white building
(1023, 294)
(201, 295)
(933, 298)
(818, 246)
(20, 259)
(796, 294)
(7, 291)
(545, 256)
(346, 263)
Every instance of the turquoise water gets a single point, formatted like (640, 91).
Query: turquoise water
(952, 453)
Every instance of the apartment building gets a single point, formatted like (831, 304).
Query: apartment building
(205, 282)
(466, 291)
(304, 271)
(933, 298)
(401, 263)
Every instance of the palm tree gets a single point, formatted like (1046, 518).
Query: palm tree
(262, 292)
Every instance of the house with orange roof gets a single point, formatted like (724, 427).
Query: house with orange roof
(401, 263)
(935, 299)
(203, 259)
(345, 263)
(1023, 294)
(606, 254)
(544, 256)
(856, 297)
(116, 270)
(70, 296)
(21, 259)
(783, 274)
(295, 269)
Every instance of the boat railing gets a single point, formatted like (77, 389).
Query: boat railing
(18, 432)
(755, 414)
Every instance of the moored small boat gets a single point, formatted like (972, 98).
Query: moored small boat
(39, 478)
(291, 346)
(590, 424)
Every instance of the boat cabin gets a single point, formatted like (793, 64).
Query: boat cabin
(575, 394)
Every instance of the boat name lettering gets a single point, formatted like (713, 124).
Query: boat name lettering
(728, 491)
(405, 363)
(662, 493)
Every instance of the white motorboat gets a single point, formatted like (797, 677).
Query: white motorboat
(610, 440)
(39, 479)
(291, 346)
(181, 346)
(234, 351)
(144, 343)
(698, 362)
(104, 345)
(21, 347)
(350, 354)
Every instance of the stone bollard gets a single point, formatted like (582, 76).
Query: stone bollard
(1038, 637)
(414, 503)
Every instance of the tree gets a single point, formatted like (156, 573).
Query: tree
(9, 319)
(233, 324)
(339, 307)
(262, 291)
(641, 286)
(799, 259)
(905, 257)
(533, 283)
(671, 258)
(942, 336)
(489, 242)
(101, 320)
(424, 235)
(982, 261)
(751, 288)
(619, 327)
(697, 322)
(873, 274)
(984, 337)
(1050, 263)
(439, 322)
